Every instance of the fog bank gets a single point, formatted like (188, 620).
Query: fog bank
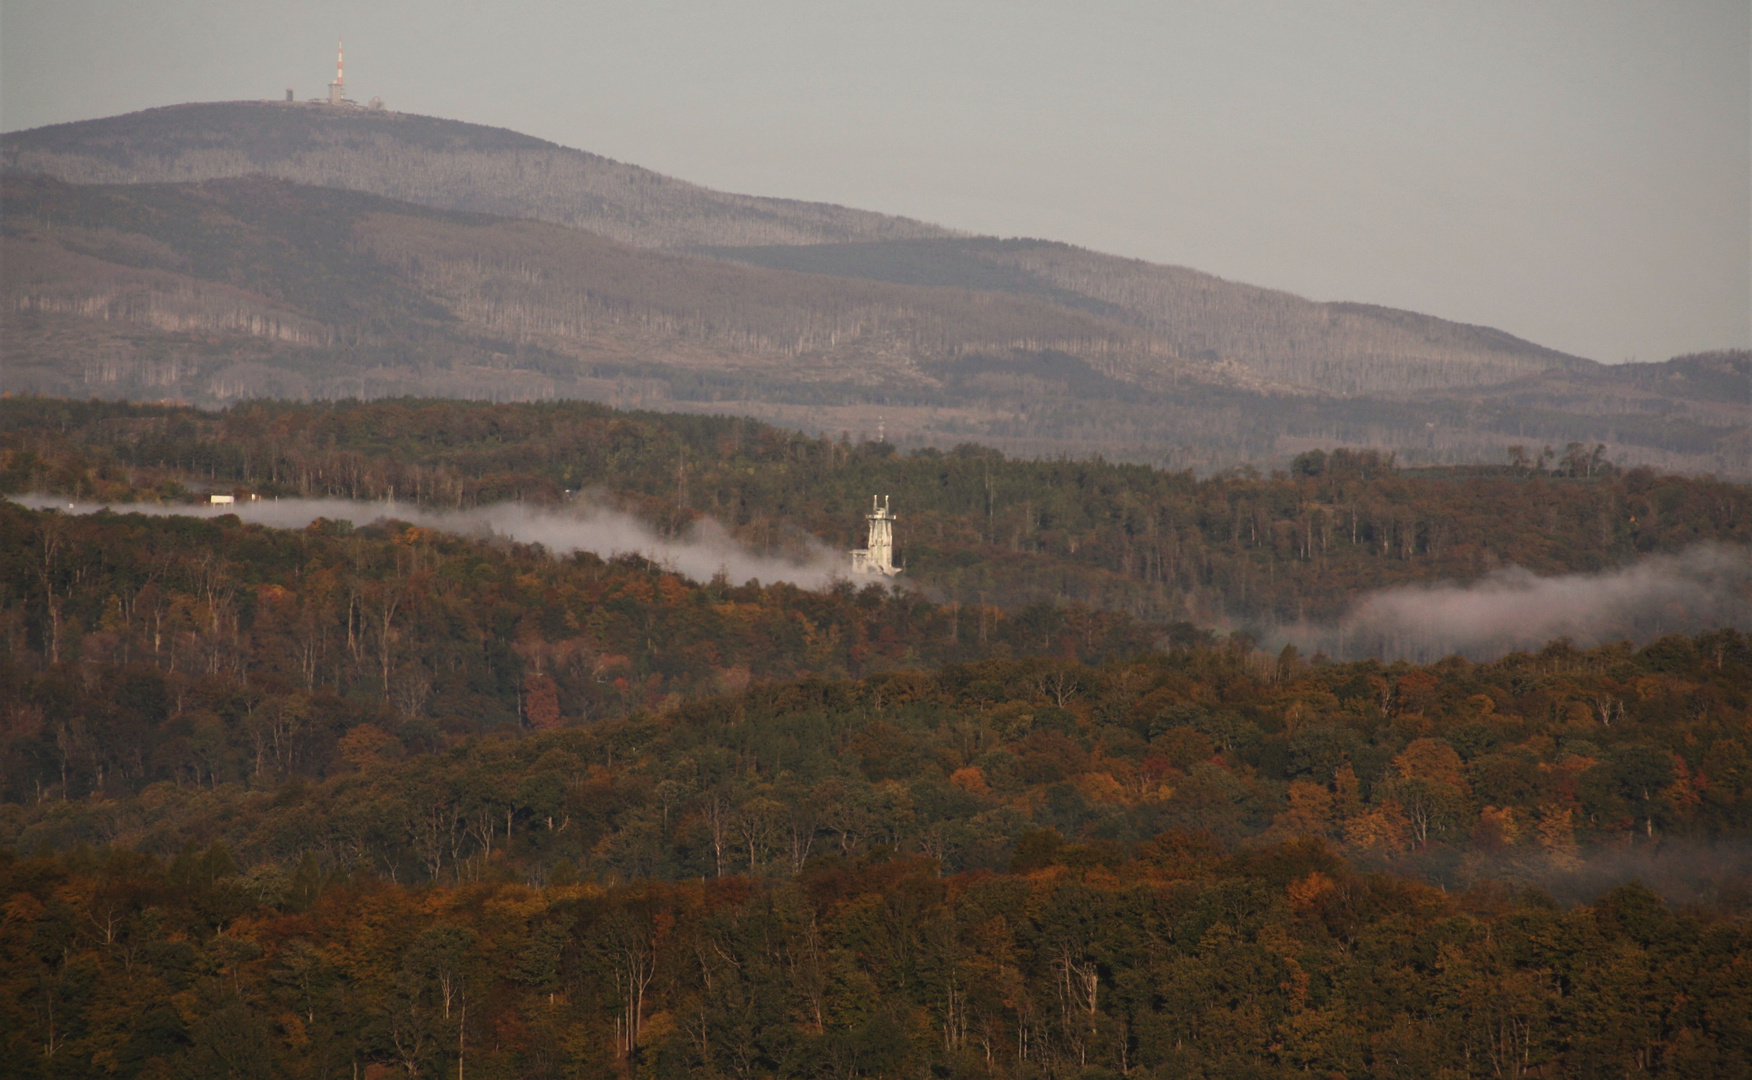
(1703, 588)
(703, 552)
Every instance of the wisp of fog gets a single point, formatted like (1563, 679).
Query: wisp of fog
(1706, 587)
(1703, 588)
(702, 553)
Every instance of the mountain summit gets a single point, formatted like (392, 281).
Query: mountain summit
(446, 164)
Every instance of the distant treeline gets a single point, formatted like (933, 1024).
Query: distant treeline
(976, 527)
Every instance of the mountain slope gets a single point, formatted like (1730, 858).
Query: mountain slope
(1281, 338)
(442, 163)
(253, 287)
(1339, 348)
(369, 283)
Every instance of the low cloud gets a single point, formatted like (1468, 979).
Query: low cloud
(1686, 873)
(703, 552)
(1703, 588)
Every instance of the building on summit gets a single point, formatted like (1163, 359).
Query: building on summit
(878, 556)
(337, 90)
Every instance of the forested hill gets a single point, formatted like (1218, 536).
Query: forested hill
(1337, 348)
(242, 288)
(375, 797)
(1186, 864)
(368, 797)
(364, 283)
(977, 528)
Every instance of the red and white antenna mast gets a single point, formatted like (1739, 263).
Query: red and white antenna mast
(338, 88)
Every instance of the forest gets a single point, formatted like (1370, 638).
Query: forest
(978, 528)
(370, 798)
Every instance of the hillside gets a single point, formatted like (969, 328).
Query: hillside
(446, 164)
(354, 725)
(256, 287)
(1336, 348)
(1701, 404)
(979, 530)
(233, 289)
(303, 801)
(369, 795)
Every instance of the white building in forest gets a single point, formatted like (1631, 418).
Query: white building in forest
(878, 556)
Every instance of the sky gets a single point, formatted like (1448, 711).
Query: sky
(1575, 172)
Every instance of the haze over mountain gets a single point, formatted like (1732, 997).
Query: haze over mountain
(831, 318)
(451, 165)
(434, 162)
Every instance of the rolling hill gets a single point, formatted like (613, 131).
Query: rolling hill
(247, 250)
(442, 163)
(232, 289)
(332, 271)
(446, 164)
(1336, 348)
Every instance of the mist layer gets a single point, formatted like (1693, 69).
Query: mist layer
(1703, 588)
(703, 552)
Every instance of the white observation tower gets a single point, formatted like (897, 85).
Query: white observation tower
(878, 557)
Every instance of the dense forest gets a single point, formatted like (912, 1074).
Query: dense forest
(369, 798)
(1187, 962)
(1190, 863)
(977, 528)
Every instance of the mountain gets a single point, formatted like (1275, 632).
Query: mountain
(253, 287)
(336, 272)
(442, 258)
(446, 164)
(441, 163)
(1336, 348)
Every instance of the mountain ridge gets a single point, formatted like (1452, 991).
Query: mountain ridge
(166, 145)
(217, 291)
(1336, 348)
(233, 289)
(1199, 314)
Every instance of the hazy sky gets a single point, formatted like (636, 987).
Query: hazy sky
(1572, 172)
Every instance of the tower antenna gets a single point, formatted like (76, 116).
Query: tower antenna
(338, 88)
